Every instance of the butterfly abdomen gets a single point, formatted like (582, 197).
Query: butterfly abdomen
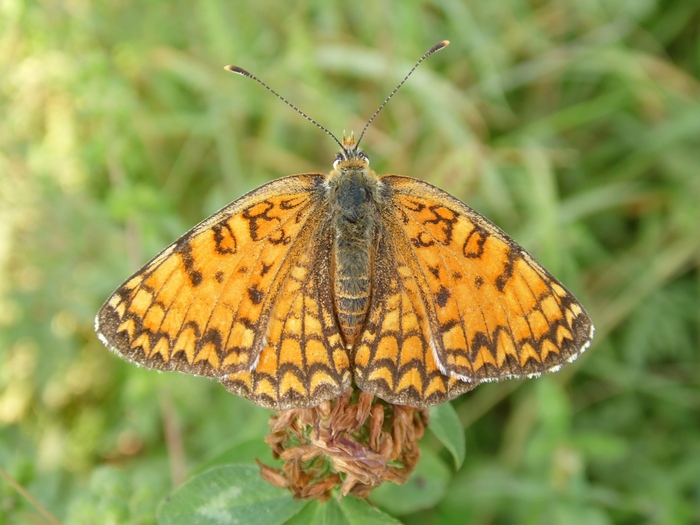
(354, 222)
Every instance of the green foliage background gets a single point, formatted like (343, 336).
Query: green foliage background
(573, 125)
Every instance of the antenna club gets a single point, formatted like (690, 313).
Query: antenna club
(238, 70)
(437, 47)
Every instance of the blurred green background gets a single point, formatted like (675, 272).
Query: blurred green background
(575, 126)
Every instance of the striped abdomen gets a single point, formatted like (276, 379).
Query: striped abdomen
(352, 286)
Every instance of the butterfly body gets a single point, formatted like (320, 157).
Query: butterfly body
(354, 195)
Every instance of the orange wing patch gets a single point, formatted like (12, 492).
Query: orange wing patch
(493, 311)
(205, 304)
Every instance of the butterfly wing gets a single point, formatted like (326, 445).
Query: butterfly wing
(489, 311)
(210, 302)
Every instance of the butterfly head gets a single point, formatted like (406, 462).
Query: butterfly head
(350, 156)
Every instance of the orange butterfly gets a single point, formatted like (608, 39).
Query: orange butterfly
(312, 282)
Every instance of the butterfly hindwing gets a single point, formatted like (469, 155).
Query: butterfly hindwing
(304, 361)
(495, 313)
(394, 358)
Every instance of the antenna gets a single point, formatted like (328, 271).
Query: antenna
(437, 47)
(241, 71)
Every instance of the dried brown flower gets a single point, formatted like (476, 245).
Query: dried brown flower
(355, 442)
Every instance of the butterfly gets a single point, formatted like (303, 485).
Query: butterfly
(313, 282)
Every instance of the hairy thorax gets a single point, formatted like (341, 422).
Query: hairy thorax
(353, 193)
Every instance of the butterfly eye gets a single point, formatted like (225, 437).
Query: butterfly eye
(338, 158)
(364, 157)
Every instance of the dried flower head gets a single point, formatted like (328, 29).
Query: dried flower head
(356, 442)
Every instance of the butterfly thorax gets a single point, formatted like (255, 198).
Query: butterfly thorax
(353, 198)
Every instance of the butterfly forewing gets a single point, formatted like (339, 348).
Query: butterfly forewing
(495, 313)
(206, 303)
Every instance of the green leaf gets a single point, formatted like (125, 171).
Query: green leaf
(424, 489)
(242, 453)
(347, 511)
(231, 494)
(444, 423)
